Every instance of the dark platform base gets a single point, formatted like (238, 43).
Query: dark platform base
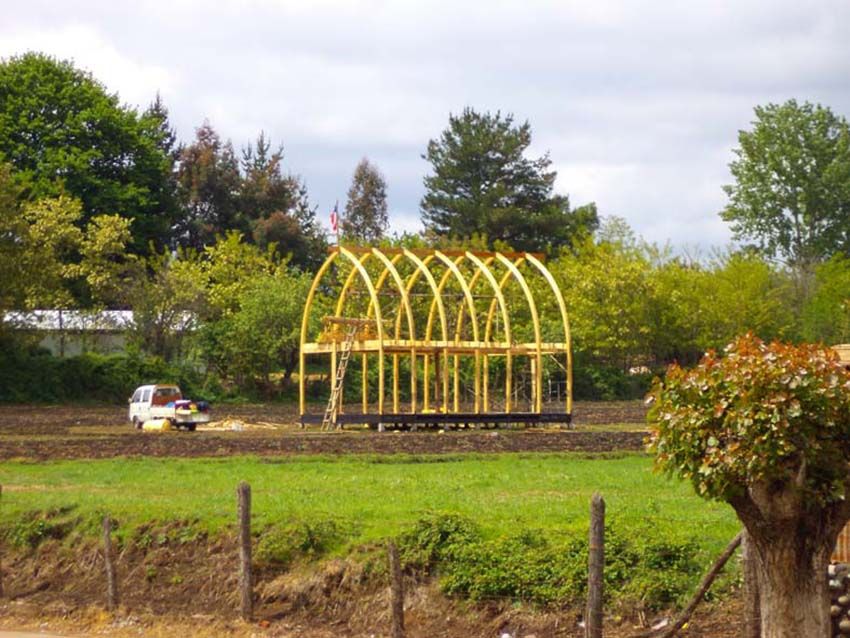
(439, 419)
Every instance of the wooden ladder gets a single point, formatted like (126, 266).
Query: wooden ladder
(329, 420)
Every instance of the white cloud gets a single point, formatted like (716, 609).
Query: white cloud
(638, 103)
(135, 80)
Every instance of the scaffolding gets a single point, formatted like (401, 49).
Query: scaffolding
(413, 320)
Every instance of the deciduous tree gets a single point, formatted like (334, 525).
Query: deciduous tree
(65, 134)
(791, 195)
(766, 428)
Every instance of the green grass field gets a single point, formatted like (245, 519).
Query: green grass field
(376, 497)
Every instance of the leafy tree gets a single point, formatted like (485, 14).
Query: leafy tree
(791, 194)
(766, 428)
(13, 226)
(209, 182)
(483, 183)
(606, 287)
(262, 336)
(105, 265)
(826, 316)
(64, 134)
(230, 265)
(52, 242)
(365, 217)
(167, 299)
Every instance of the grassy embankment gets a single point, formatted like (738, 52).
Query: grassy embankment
(512, 501)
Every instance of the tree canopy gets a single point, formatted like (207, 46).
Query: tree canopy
(791, 195)
(483, 183)
(64, 134)
(365, 218)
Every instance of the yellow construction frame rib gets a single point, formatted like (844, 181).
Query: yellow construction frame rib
(405, 267)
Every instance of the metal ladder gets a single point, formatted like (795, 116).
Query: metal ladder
(329, 420)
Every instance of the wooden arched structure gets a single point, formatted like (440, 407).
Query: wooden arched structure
(408, 316)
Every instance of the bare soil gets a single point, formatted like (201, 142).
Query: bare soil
(191, 589)
(71, 432)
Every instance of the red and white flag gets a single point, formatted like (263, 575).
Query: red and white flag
(335, 219)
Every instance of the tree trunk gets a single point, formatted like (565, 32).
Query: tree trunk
(793, 593)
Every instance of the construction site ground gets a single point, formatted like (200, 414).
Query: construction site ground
(44, 432)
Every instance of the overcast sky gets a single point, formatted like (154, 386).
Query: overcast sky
(638, 103)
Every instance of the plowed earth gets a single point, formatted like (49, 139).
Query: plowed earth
(72, 432)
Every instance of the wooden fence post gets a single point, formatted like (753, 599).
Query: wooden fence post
(111, 580)
(245, 579)
(595, 565)
(396, 593)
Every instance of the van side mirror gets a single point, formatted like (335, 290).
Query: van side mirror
(130, 400)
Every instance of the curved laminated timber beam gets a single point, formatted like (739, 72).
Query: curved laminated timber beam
(465, 294)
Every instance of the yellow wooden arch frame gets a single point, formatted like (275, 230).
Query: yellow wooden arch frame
(367, 335)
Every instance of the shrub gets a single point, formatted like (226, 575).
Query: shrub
(283, 545)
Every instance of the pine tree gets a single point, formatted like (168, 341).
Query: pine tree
(209, 182)
(277, 207)
(365, 217)
(482, 184)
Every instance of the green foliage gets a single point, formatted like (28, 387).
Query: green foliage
(309, 540)
(167, 299)
(483, 184)
(28, 375)
(365, 218)
(12, 226)
(535, 566)
(56, 120)
(209, 181)
(262, 336)
(826, 317)
(792, 183)
(35, 527)
(430, 539)
(761, 413)
(104, 265)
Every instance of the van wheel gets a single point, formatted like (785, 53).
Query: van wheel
(191, 427)
(136, 423)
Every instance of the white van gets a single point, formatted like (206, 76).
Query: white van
(166, 402)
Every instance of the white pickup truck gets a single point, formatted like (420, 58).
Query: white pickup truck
(163, 407)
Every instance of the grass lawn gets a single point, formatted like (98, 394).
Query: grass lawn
(376, 496)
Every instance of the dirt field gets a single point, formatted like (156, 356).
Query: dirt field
(65, 432)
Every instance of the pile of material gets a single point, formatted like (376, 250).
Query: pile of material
(839, 592)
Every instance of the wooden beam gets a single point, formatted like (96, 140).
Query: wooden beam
(427, 252)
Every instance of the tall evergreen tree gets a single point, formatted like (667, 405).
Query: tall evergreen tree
(63, 133)
(277, 208)
(482, 183)
(365, 217)
(158, 128)
(210, 183)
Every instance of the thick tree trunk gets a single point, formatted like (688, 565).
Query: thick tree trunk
(793, 592)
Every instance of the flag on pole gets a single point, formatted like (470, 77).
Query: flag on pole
(335, 219)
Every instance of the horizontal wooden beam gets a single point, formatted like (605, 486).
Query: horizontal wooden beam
(404, 346)
(427, 252)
